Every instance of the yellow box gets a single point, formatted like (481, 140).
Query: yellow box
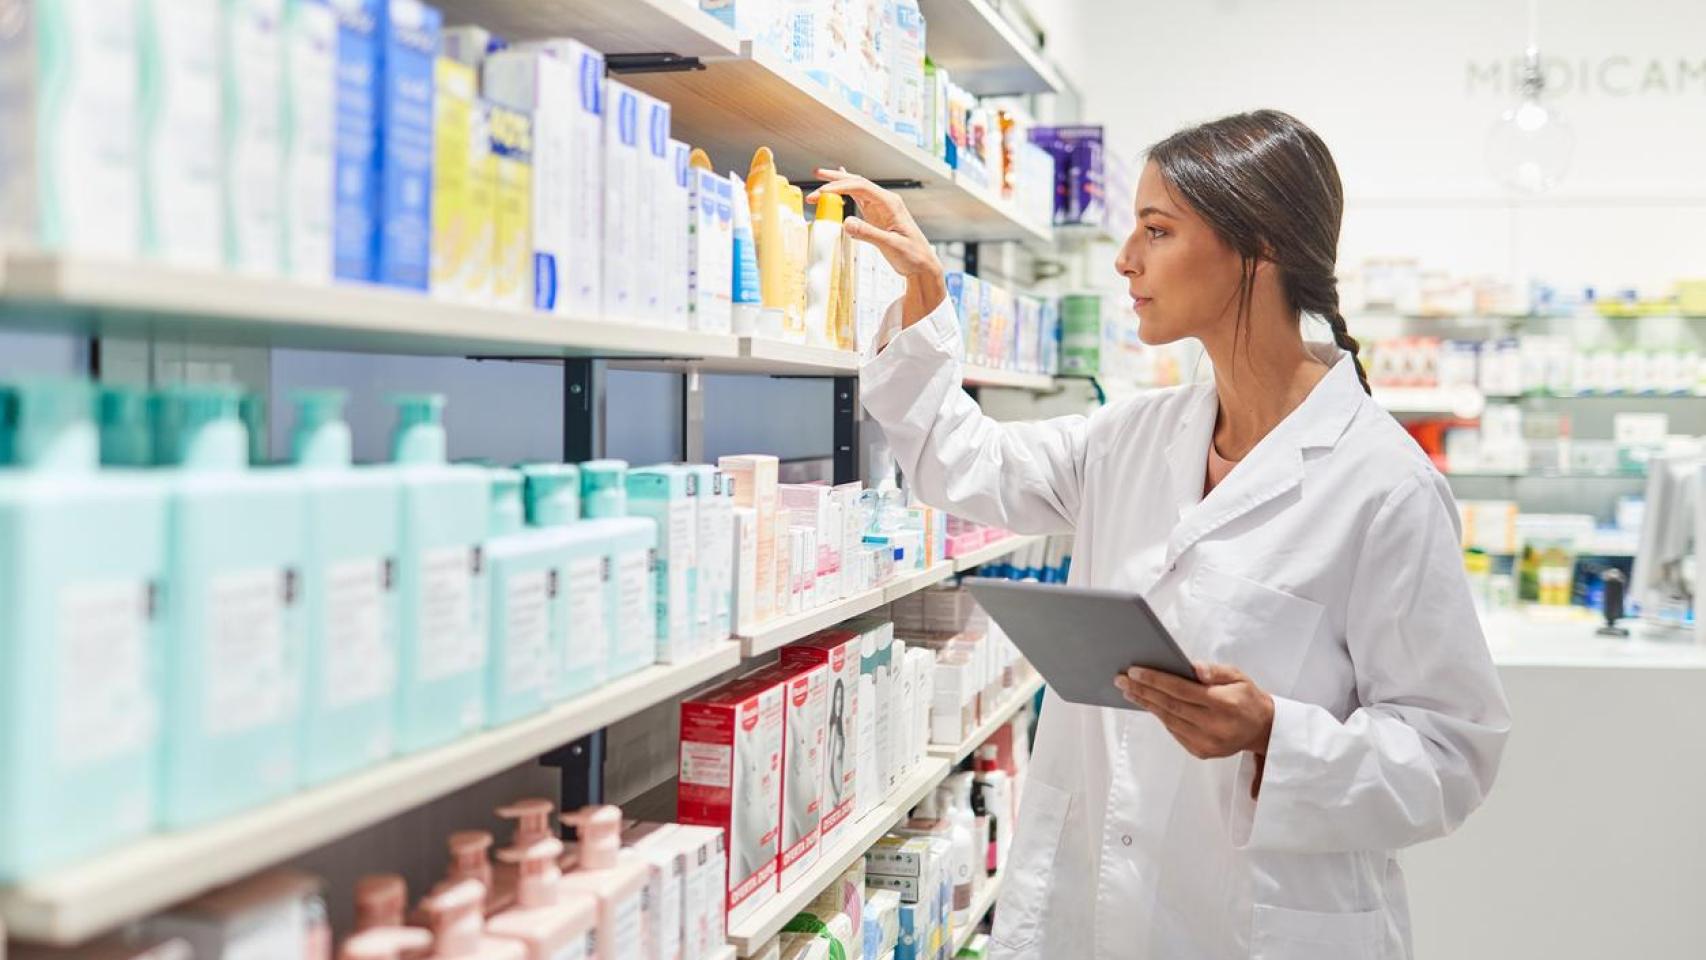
(512, 199)
(452, 235)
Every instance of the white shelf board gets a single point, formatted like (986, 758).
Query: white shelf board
(738, 104)
(138, 297)
(984, 53)
(1006, 546)
(1466, 402)
(1003, 713)
(918, 580)
(976, 376)
(72, 904)
(628, 26)
(780, 631)
(770, 355)
(752, 933)
(727, 952)
(979, 908)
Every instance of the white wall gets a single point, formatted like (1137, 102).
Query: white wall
(1404, 93)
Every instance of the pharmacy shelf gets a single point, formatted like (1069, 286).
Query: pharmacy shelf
(1003, 713)
(976, 376)
(984, 53)
(631, 26)
(980, 907)
(754, 931)
(755, 99)
(1006, 546)
(724, 953)
(1466, 402)
(771, 355)
(779, 632)
(73, 904)
(914, 582)
(139, 298)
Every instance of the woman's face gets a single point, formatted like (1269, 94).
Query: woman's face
(1182, 277)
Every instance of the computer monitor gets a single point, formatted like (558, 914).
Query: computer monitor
(1664, 581)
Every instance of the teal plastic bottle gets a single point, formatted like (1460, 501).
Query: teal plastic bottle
(234, 658)
(631, 595)
(584, 554)
(604, 489)
(127, 430)
(525, 570)
(82, 555)
(445, 519)
(349, 593)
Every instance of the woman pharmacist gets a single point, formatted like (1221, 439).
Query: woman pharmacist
(1288, 532)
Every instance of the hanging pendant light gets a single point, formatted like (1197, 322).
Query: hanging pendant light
(1530, 144)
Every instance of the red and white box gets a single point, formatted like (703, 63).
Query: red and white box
(838, 652)
(806, 714)
(731, 777)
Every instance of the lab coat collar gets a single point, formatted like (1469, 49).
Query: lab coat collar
(1272, 469)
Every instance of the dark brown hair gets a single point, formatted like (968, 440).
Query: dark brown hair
(1268, 186)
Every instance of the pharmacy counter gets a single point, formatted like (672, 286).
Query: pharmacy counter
(1593, 842)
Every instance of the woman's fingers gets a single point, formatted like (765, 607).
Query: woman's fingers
(1175, 687)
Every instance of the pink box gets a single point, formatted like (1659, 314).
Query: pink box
(838, 651)
(805, 716)
(731, 777)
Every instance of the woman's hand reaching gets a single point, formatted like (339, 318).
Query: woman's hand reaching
(885, 223)
(1222, 714)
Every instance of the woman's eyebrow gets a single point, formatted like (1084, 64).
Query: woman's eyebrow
(1155, 212)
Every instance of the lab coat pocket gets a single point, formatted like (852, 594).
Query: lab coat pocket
(1262, 631)
(1282, 934)
(1030, 867)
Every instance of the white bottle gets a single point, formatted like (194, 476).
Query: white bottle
(954, 803)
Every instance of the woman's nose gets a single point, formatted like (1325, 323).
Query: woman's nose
(1128, 261)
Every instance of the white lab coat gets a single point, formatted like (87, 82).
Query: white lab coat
(1326, 566)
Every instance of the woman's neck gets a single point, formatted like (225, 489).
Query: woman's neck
(1260, 378)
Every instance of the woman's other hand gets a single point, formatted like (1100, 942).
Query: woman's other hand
(885, 223)
(1222, 714)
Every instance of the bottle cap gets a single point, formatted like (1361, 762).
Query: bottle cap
(385, 943)
(379, 901)
(553, 493)
(420, 436)
(508, 514)
(127, 438)
(322, 437)
(604, 488)
(455, 914)
(52, 424)
(535, 850)
(600, 835)
(468, 860)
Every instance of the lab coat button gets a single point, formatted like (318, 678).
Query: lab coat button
(1126, 840)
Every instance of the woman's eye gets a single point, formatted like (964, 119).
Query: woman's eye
(1155, 233)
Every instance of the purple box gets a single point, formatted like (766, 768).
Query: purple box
(1080, 178)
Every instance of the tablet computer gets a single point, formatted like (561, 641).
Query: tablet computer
(1080, 638)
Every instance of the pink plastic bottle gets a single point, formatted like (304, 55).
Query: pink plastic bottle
(552, 924)
(458, 926)
(385, 943)
(470, 860)
(532, 824)
(617, 884)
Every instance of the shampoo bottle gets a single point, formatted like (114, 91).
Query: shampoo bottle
(349, 596)
(618, 884)
(745, 294)
(444, 522)
(525, 574)
(820, 271)
(458, 928)
(764, 189)
(234, 663)
(666, 494)
(794, 236)
(632, 544)
(550, 922)
(84, 553)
